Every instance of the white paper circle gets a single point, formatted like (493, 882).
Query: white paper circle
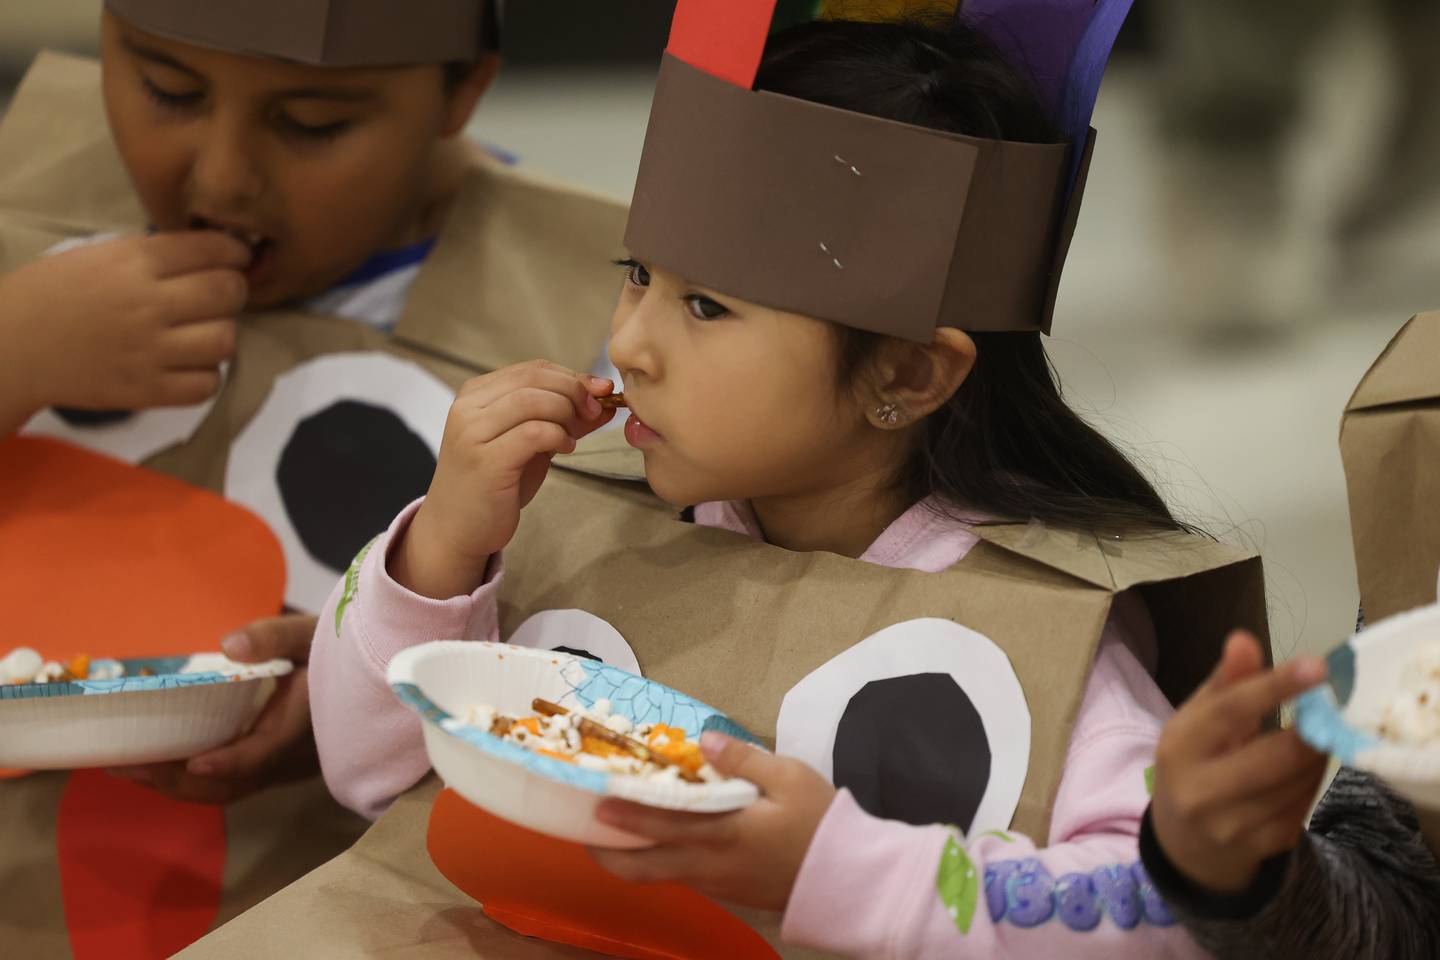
(134, 439)
(404, 388)
(579, 631)
(810, 713)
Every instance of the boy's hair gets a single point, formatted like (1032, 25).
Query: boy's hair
(1006, 443)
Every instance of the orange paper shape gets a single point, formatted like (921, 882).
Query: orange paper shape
(542, 887)
(140, 874)
(115, 561)
(111, 560)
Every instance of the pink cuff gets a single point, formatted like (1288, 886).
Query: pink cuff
(396, 619)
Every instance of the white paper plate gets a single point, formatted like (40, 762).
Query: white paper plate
(441, 680)
(1379, 657)
(134, 719)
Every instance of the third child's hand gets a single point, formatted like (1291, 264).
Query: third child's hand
(501, 433)
(1228, 797)
(126, 324)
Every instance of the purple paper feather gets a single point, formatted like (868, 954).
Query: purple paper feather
(1063, 44)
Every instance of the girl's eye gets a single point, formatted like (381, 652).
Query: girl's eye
(635, 272)
(703, 308)
(313, 132)
(188, 100)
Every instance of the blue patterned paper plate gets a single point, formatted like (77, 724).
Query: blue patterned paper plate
(165, 675)
(441, 680)
(132, 719)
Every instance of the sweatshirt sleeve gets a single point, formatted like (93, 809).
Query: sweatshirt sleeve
(1361, 885)
(371, 746)
(881, 888)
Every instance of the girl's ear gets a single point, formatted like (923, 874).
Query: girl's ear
(912, 381)
(461, 98)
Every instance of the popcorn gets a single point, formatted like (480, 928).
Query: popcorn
(598, 739)
(1414, 715)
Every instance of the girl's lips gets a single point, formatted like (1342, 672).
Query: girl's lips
(639, 435)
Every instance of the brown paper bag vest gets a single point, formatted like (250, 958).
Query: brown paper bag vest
(1390, 444)
(521, 271)
(741, 624)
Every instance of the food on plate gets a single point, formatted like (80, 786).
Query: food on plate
(1413, 716)
(600, 739)
(24, 665)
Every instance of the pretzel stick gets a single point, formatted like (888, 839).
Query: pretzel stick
(589, 728)
(614, 401)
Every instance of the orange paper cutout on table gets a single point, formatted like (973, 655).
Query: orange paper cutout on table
(115, 561)
(542, 887)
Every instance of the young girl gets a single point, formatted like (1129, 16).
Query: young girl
(827, 439)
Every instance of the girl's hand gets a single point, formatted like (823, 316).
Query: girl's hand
(126, 324)
(1227, 797)
(751, 856)
(501, 433)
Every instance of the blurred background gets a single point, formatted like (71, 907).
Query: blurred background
(1259, 222)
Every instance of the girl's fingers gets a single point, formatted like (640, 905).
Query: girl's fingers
(1238, 710)
(1243, 657)
(667, 826)
(520, 407)
(655, 865)
(1277, 828)
(533, 438)
(1231, 819)
(201, 345)
(1272, 760)
(485, 391)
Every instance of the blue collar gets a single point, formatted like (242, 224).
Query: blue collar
(388, 261)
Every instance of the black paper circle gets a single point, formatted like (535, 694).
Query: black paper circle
(91, 418)
(345, 473)
(898, 750)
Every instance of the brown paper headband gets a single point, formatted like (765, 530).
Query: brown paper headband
(866, 222)
(331, 33)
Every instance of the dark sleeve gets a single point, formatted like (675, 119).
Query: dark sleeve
(1361, 885)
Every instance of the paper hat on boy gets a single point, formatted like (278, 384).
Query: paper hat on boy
(866, 222)
(328, 33)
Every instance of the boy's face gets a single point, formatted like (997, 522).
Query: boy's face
(316, 168)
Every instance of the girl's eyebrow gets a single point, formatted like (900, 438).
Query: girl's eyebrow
(156, 56)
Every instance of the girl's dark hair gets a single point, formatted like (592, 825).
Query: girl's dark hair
(1006, 443)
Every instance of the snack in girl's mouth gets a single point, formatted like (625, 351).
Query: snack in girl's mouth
(1413, 716)
(614, 402)
(599, 739)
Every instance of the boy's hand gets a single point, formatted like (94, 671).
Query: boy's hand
(279, 748)
(501, 433)
(1227, 797)
(751, 856)
(127, 324)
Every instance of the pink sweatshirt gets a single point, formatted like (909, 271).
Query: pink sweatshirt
(927, 891)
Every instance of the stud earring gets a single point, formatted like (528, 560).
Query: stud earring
(888, 414)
